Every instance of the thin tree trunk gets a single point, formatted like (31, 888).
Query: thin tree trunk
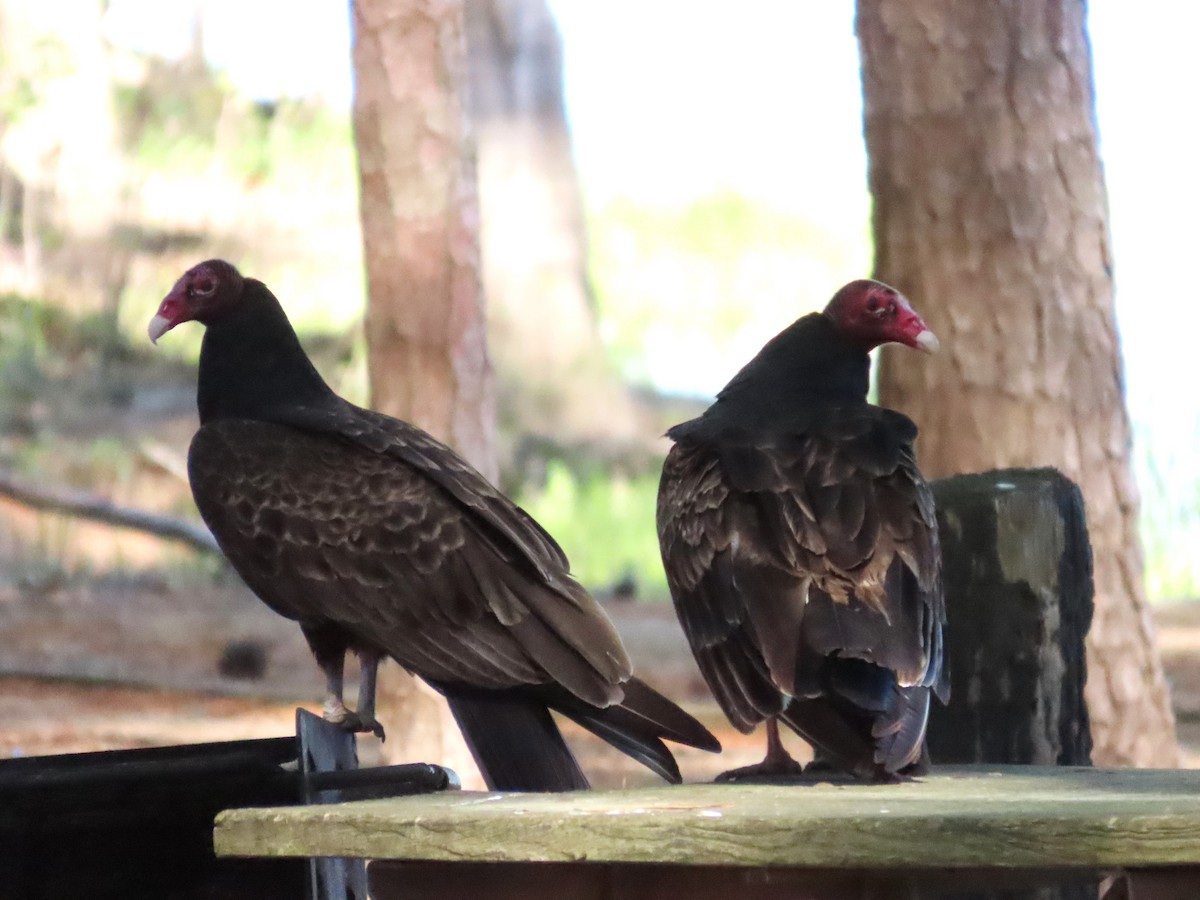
(990, 212)
(425, 319)
(425, 316)
(556, 376)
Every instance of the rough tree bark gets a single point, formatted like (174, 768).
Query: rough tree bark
(425, 316)
(425, 319)
(990, 212)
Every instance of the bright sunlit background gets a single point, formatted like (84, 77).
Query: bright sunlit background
(683, 113)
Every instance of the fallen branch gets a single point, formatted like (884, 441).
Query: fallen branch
(89, 506)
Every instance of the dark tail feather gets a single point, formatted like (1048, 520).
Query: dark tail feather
(897, 715)
(900, 740)
(638, 724)
(833, 736)
(515, 743)
(864, 722)
(628, 733)
(673, 723)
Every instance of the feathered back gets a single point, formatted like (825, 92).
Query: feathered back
(800, 545)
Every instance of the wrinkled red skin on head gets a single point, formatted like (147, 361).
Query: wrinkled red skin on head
(869, 313)
(174, 308)
(195, 295)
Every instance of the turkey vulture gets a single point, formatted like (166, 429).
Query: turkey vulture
(801, 547)
(378, 539)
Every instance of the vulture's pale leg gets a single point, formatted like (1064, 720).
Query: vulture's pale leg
(334, 708)
(777, 762)
(329, 647)
(364, 718)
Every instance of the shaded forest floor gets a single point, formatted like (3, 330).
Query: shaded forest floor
(102, 667)
(137, 665)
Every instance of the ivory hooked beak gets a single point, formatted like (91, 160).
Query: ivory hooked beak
(927, 341)
(159, 326)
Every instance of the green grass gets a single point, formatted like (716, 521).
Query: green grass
(604, 522)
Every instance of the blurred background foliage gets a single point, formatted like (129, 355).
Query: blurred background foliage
(122, 164)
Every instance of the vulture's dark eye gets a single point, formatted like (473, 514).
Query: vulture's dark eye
(204, 288)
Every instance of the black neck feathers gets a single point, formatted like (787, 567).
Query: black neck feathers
(252, 364)
(804, 367)
(807, 359)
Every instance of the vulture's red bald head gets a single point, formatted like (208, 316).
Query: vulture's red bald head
(869, 313)
(200, 295)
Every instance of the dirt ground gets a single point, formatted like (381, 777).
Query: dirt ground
(137, 665)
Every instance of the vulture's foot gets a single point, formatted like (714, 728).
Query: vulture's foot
(778, 763)
(822, 765)
(770, 768)
(352, 721)
(822, 768)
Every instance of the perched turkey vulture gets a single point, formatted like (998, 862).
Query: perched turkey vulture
(801, 547)
(382, 541)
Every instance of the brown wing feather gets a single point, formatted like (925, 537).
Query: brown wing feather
(514, 534)
(326, 531)
(852, 480)
(696, 516)
(748, 527)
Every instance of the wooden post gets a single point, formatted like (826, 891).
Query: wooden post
(1017, 569)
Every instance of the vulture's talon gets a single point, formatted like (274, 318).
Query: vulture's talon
(353, 722)
(768, 769)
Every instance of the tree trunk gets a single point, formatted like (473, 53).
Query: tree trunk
(556, 378)
(990, 213)
(425, 315)
(425, 319)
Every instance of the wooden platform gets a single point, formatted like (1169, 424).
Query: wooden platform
(970, 817)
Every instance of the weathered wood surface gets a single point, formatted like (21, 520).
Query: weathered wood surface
(969, 817)
(1018, 580)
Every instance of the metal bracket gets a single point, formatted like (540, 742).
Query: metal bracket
(328, 756)
(324, 747)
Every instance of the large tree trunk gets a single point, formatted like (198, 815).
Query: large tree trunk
(425, 316)
(990, 212)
